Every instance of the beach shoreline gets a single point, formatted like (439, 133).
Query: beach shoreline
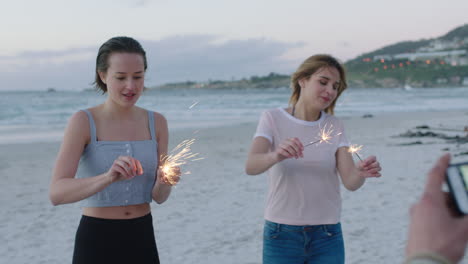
(215, 214)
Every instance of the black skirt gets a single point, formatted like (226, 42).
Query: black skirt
(115, 241)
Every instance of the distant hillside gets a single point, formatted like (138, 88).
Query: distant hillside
(272, 80)
(459, 32)
(401, 47)
(412, 46)
(436, 62)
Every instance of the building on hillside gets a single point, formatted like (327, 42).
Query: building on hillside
(465, 81)
(453, 57)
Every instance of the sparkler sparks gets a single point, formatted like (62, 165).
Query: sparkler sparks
(180, 155)
(194, 104)
(355, 149)
(325, 134)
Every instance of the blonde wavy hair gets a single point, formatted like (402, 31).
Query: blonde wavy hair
(310, 66)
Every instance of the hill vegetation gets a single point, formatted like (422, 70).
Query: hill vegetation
(437, 62)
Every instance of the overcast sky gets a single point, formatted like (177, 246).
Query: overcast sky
(53, 43)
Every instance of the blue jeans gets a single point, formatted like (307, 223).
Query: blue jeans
(302, 244)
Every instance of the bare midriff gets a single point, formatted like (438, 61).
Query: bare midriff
(118, 212)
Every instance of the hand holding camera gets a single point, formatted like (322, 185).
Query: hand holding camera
(436, 232)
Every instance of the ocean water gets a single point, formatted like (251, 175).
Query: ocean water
(42, 116)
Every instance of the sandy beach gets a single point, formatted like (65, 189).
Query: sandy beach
(215, 214)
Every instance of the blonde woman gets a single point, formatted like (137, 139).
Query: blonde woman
(302, 215)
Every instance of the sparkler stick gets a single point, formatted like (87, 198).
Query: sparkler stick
(325, 134)
(180, 155)
(311, 143)
(355, 149)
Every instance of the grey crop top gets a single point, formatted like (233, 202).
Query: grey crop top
(98, 157)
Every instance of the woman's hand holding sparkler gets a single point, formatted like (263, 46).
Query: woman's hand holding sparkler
(169, 172)
(168, 175)
(124, 168)
(289, 148)
(369, 168)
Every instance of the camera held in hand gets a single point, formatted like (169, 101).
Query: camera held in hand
(457, 179)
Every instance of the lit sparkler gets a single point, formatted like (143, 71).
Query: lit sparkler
(180, 155)
(325, 134)
(194, 104)
(355, 149)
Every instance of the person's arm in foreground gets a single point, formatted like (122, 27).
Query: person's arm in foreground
(436, 233)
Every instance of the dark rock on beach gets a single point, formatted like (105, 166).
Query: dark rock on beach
(422, 127)
(411, 134)
(410, 143)
(462, 154)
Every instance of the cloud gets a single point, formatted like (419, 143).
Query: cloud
(178, 58)
(201, 58)
(344, 44)
(140, 3)
(48, 53)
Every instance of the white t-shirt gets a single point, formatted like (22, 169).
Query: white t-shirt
(303, 191)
